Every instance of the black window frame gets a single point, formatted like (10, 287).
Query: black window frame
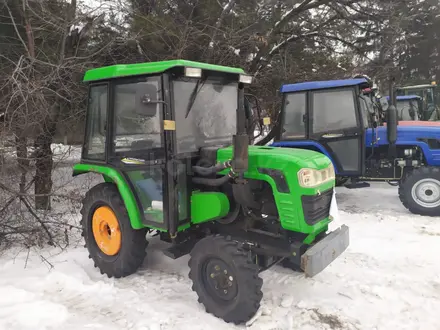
(158, 154)
(283, 116)
(356, 106)
(84, 158)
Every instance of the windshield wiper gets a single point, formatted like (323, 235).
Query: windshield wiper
(193, 96)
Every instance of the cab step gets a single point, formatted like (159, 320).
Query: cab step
(357, 185)
(178, 250)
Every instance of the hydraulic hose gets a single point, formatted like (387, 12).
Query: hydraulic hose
(231, 217)
(205, 171)
(212, 182)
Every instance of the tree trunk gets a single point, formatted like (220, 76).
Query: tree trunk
(22, 160)
(43, 172)
(44, 160)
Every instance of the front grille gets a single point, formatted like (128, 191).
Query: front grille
(316, 207)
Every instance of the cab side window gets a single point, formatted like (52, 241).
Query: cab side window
(364, 104)
(293, 121)
(333, 110)
(137, 124)
(95, 140)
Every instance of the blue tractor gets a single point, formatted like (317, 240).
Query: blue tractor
(338, 119)
(409, 107)
(428, 94)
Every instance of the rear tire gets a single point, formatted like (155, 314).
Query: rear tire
(419, 191)
(225, 279)
(123, 250)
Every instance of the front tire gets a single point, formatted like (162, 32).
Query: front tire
(225, 279)
(116, 248)
(419, 191)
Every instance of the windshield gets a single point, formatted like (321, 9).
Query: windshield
(408, 110)
(211, 119)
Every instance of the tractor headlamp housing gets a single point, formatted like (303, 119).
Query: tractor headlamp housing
(245, 79)
(310, 178)
(193, 72)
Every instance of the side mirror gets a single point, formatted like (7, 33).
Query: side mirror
(384, 103)
(146, 99)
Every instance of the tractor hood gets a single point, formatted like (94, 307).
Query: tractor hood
(424, 137)
(409, 133)
(280, 158)
(419, 123)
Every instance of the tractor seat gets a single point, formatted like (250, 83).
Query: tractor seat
(151, 188)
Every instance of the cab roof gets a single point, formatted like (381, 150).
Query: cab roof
(432, 85)
(406, 97)
(125, 70)
(325, 84)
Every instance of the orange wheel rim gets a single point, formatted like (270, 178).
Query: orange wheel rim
(106, 230)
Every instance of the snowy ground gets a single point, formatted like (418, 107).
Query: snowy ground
(389, 278)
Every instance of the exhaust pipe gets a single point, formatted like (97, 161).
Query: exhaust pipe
(392, 121)
(240, 160)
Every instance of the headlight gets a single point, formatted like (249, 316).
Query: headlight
(193, 72)
(245, 79)
(309, 178)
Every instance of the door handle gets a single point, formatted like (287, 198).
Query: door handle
(329, 136)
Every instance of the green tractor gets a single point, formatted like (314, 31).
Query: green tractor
(170, 141)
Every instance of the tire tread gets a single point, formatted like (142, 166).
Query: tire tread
(249, 294)
(405, 189)
(134, 242)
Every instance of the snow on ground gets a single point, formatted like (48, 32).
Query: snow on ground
(62, 154)
(389, 278)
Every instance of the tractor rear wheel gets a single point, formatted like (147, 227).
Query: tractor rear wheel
(225, 279)
(419, 191)
(116, 248)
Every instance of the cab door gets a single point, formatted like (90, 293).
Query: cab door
(137, 145)
(334, 122)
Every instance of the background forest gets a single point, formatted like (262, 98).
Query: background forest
(47, 45)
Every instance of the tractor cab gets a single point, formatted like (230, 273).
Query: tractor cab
(133, 127)
(409, 107)
(428, 95)
(331, 117)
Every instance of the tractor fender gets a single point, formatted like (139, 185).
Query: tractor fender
(114, 176)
